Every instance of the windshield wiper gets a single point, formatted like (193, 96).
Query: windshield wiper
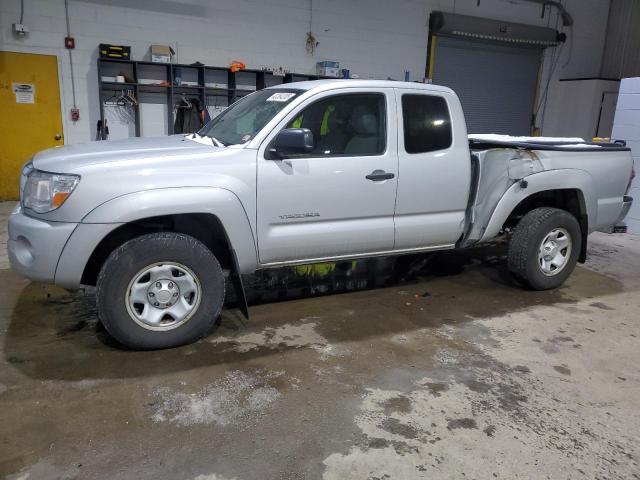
(215, 141)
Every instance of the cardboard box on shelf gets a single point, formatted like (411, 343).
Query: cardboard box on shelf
(161, 53)
(328, 69)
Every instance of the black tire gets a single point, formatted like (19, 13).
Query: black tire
(525, 243)
(125, 262)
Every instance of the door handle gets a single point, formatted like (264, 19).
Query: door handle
(378, 175)
(57, 136)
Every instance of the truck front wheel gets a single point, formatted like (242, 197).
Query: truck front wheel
(544, 248)
(160, 290)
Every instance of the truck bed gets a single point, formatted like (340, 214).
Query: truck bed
(571, 144)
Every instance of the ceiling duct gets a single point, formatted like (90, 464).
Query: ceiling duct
(496, 31)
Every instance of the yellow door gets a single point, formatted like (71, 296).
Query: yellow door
(30, 118)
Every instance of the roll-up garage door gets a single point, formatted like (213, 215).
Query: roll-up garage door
(496, 83)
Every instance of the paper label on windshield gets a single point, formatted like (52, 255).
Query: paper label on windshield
(280, 97)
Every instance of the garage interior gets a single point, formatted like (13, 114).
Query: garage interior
(423, 366)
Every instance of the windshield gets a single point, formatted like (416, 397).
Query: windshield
(242, 120)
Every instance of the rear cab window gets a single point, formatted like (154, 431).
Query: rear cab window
(427, 123)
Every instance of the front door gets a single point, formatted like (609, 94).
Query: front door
(322, 205)
(31, 119)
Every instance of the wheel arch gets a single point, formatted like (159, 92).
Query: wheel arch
(567, 189)
(568, 199)
(555, 187)
(204, 227)
(214, 216)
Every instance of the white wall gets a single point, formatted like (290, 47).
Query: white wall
(626, 125)
(374, 38)
(580, 57)
(573, 108)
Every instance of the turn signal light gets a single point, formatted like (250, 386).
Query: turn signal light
(59, 198)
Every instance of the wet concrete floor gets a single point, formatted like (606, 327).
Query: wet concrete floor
(452, 373)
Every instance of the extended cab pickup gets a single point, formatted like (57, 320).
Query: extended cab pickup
(308, 172)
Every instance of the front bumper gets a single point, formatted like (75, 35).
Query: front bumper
(35, 246)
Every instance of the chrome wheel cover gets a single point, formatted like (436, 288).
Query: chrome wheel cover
(163, 296)
(554, 252)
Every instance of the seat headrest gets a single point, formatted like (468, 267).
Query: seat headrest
(363, 121)
(336, 121)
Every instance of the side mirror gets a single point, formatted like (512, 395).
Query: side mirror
(291, 142)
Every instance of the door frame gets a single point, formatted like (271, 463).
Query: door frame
(44, 112)
(54, 52)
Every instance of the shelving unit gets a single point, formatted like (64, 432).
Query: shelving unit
(150, 82)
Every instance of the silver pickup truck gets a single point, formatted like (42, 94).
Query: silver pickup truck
(309, 172)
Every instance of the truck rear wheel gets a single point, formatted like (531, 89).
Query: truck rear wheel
(160, 290)
(544, 248)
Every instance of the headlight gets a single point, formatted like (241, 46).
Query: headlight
(44, 192)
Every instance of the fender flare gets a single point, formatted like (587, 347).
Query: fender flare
(108, 216)
(563, 179)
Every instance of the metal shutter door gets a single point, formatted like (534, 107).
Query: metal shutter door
(496, 84)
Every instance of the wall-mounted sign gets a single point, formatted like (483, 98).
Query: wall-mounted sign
(25, 92)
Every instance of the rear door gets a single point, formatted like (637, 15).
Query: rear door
(434, 169)
(322, 205)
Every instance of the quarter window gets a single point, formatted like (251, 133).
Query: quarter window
(350, 124)
(427, 124)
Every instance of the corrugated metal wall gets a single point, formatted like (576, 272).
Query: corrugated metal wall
(621, 57)
(496, 83)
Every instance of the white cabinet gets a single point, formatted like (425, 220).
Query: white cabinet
(626, 126)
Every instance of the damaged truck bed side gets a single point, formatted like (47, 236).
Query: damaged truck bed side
(312, 172)
(510, 172)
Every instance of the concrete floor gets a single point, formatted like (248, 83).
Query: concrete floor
(458, 374)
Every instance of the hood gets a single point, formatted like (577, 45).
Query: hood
(69, 158)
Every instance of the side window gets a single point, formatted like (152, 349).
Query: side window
(349, 124)
(427, 124)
